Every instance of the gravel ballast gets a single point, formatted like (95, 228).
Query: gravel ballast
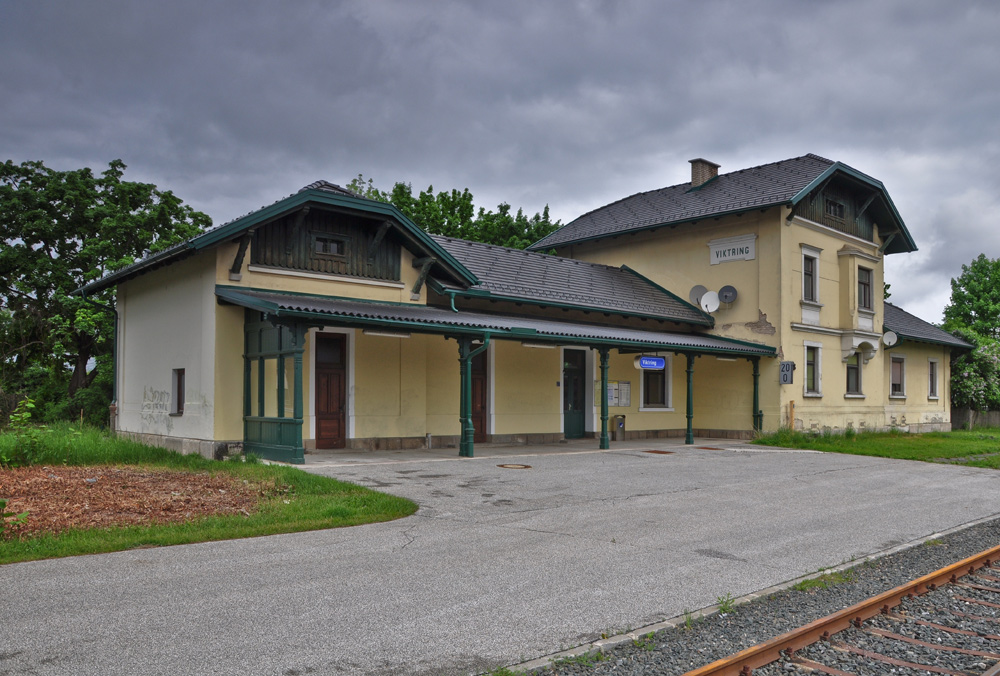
(696, 642)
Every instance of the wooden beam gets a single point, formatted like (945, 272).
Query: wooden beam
(819, 189)
(377, 239)
(425, 267)
(234, 271)
(864, 206)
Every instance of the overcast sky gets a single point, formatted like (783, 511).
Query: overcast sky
(234, 104)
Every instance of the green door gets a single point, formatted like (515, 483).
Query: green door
(574, 394)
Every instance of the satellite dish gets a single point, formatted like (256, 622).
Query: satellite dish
(889, 338)
(727, 294)
(697, 291)
(710, 301)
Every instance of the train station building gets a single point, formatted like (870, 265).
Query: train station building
(732, 303)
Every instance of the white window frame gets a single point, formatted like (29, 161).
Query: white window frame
(860, 394)
(871, 289)
(933, 385)
(668, 384)
(901, 358)
(810, 252)
(818, 392)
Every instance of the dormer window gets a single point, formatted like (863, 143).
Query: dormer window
(329, 245)
(835, 209)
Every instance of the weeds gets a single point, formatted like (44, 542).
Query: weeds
(14, 517)
(587, 659)
(726, 604)
(933, 542)
(645, 642)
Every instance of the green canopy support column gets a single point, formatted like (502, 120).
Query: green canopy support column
(758, 415)
(605, 441)
(466, 447)
(298, 407)
(689, 435)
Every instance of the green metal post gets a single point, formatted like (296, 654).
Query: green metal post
(465, 446)
(605, 441)
(689, 436)
(757, 422)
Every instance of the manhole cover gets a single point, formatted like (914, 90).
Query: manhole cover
(514, 466)
(660, 452)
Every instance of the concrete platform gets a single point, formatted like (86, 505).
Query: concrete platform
(498, 566)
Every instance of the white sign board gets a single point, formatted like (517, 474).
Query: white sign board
(738, 248)
(785, 371)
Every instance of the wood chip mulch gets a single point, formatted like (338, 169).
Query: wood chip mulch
(60, 498)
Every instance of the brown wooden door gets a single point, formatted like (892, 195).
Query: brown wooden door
(479, 408)
(331, 399)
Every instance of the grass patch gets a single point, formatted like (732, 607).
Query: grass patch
(307, 502)
(974, 448)
(826, 580)
(587, 659)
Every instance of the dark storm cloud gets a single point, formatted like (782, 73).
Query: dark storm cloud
(574, 104)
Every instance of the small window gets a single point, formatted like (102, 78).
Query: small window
(329, 245)
(864, 288)
(854, 374)
(898, 377)
(809, 278)
(656, 387)
(932, 379)
(177, 392)
(835, 209)
(812, 369)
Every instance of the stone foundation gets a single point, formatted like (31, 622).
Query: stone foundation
(213, 450)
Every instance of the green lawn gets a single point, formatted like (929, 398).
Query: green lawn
(305, 501)
(975, 448)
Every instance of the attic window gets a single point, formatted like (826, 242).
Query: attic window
(329, 245)
(835, 209)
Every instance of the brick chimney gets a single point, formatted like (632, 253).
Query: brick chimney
(702, 171)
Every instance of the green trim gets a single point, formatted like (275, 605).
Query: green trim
(868, 180)
(296, 294)
(282, 208)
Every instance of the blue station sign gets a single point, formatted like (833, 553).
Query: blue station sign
(655, 363)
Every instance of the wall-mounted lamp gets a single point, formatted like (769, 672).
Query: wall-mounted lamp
(543, 346)
(386, 334)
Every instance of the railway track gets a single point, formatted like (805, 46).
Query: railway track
(947, 622)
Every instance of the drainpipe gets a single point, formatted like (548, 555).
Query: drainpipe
(758, 415)
(605, 441)
(465, 355)
(113, 409)
(689, 435)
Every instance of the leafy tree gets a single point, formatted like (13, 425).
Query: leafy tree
(975, 299)
(61, 230)
(453, 214)
(975, 375)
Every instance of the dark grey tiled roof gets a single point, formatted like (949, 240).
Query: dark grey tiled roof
(757, 187)
(439, 320)
(551, 279)
(907, 326)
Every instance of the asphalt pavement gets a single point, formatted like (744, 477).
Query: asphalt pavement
(499, 565)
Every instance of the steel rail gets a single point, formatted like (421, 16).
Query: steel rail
(757, 656)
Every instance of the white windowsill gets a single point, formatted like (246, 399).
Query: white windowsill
(813, 395)
(934, 398)
(897, 396)
(810, 303)
(854, 396)
(656, 409)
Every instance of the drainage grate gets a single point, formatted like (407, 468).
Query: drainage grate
(660, 452)
(710, 448)
(514, 466)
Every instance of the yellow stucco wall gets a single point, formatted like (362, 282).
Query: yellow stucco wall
(528, 399)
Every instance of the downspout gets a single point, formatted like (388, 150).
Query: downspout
(113, 412)
(466, 444)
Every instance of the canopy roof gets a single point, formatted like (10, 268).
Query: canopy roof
(417, 318)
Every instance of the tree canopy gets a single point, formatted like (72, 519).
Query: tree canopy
(975, 298)
(61, 230)
(973, 314)
(453, 214)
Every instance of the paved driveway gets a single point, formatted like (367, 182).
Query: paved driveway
(499, 565)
